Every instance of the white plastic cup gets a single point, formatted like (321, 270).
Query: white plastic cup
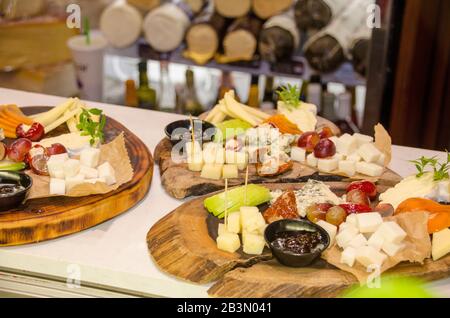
(88, 60)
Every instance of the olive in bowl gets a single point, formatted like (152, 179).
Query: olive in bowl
(14, 188)
(296, 243)
(181, 130)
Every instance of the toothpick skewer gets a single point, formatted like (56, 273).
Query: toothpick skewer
(226, 203)
(246, 182)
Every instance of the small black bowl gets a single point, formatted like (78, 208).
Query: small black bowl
(181, 130)
(289, 258)
(10, 201)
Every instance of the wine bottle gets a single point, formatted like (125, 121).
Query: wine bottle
(265, 9)
(146, 95)
(314, 92)
(226, 84)
(253, 93)
(317, 13)
(327, 49)
(187, 101)
(344, 113)
(328, 102)
(166, 101)
(279, 38)
(131, 98)
(268, 98)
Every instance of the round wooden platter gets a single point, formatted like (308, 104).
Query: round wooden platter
(179, 182)
(183, 244)
(43, 219)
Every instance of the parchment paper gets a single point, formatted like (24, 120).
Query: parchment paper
(417, 249)
(114, 152)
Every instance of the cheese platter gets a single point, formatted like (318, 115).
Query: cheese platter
(83, 168)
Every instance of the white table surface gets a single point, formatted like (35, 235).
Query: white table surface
(114, 254)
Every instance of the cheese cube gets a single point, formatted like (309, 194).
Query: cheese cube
(94, 181)
(298, 154)
(347, 225)
(55, 165)
(311, 160)
(348, 256)
(352, 219)
(192, 149)
(369, 153)
(241, 160)
(358, 241)
(195, 166)
(57, 186)
(392, 232)
(346, 144)
(71, 168)
(338, 156)
(253, 243)
(234, 222)
(89, 173)
(229, 171)
(220, 156)
(330, 228)
(344, 237)
(347, 167)
(251, 219)
(362, 139)
(441, 244)
(354, 157)
(369, 169)
(228, 242)
(334, 139)
(74, 181)
(327, 165)
(90, 157)
(381, 160)
(369, 222)
(62, 157)
(392, 249)
(376, 240)
(210, 152)
(368, 256)
(231, 156)
(211, 171)
(221, 229)
(106, 171)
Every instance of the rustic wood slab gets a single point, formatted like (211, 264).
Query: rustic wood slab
(183, 244)
(44, 219)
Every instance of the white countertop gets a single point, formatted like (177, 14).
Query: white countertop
(114, 254)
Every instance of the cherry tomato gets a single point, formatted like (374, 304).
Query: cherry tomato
(351, 208)
(35, 132)
(365, 186)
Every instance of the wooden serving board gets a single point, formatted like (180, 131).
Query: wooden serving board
(44, 219)
(183, 244)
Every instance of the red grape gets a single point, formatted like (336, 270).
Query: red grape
(358, 197)
(19, 149)
(351, 208)
(325, 148)
(336, 215)
(365, 186)
(385, 209)
(56, 149)
(308, 140)
(326, 133)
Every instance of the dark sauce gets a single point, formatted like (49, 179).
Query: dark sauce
(7, 190)
(298, 242)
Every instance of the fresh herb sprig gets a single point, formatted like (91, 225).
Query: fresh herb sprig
(90, 126)
(440, 170)
(290, 95)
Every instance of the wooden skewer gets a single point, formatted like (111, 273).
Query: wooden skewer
(246, 182)
(226, 204)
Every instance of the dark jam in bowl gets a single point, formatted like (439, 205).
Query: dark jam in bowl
(298, 242)
(10, 189)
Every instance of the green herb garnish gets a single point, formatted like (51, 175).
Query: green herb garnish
(91, 127)
(87, 30)
(440, 169)
(290, 95)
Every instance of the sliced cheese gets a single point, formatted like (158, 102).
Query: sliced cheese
(330, 228)
(441, 244)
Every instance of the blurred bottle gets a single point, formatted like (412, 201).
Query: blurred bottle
(344, 113)
(304, 90)
(226, 84)
(187, 101)
(314, 92)
(166, 99)
(268, 101)
(131, 98)
(253, 94)
(328, 102)
(145, 94)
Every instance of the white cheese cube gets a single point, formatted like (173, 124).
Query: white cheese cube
(347, 167)
(230, 171)
(251, 219)
(195, 166)
(392, 249)
(211, 171)
(352, 219)
(90, 157)
(220, 156)
(88, 172)
(376, 240)
(192, 149)
(344, 237)
(234, 222)
(230, 156)
(330, 228)
(221, 229)
(346, 144)
(210, 152)
(392, 232)
(106, 171)
(55, 166)
(74, 181)
(362, 139)
(369, 222)
(368, 256)
(298, 154)
(381, 160)
(71, 168)
(369, 169)
(228, 242)
(241, 160)
(348, 256)
(358, 241)
(354, 157)
(311, 160)
(369, 153)
(62, 157)
(57, 186)
(253, 244)
(347, 225)
(339, 156)
(441, 244)
(327, 165)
